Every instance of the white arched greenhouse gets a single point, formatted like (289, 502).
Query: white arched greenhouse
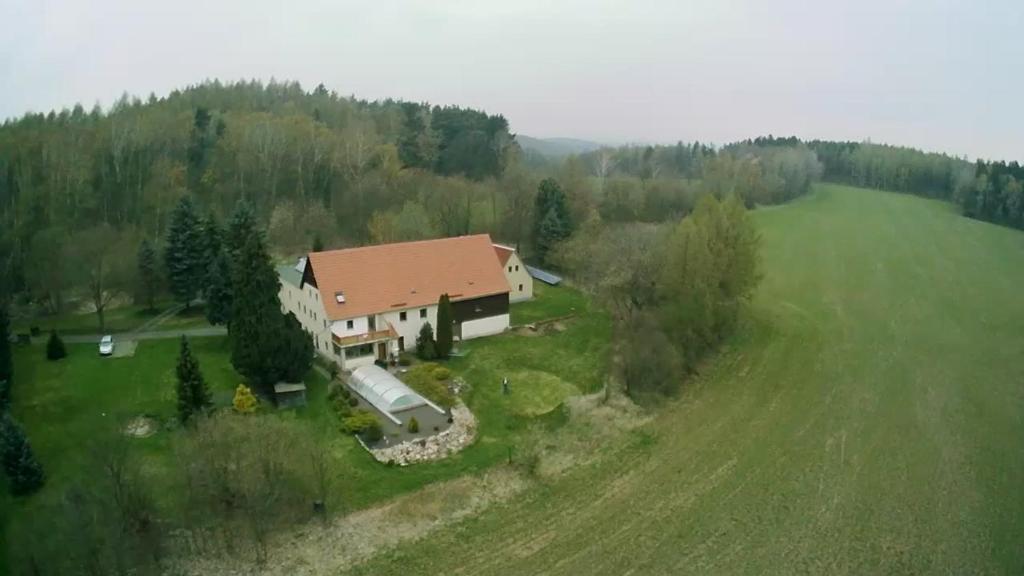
(385, 392)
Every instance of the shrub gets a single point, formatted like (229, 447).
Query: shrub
(333, 370)
(244, 401)
(421, 379)
(441, 373)
(353, 401)
(341, 407)
(414, 425)
(404, 359)
(55, 349)
(426, 348)
(373, 432)
(359, 422)
(334, 391)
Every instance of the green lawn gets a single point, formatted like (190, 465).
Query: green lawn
(119, 319)
(548, 302)
(64, 404)
(866, 419)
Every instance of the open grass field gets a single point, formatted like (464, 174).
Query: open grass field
(868, 418)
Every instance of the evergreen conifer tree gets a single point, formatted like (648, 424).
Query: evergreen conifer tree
(149, 276)
(218, 289)
(240, 228)
(318, 244)
(193, 395)
(552, 221)
(297, 350)
(24, 473)
(184, 255)
(443, 346)
(257, 324)
(6, 361)
(425, 346)
(55, 349)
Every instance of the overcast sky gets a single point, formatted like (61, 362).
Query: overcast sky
(935, 74)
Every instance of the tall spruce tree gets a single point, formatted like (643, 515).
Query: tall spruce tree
(184, 255)
(193, 395)
(218, 289)
(24, 473)
(552, 221)
(55, 349)
(6, 361)
(149, 275)
(257, 324)
(444, 326)
(241, 226)
(426, 348)
(297, 350)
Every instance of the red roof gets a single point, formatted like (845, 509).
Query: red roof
(375, 279)
(504, 253)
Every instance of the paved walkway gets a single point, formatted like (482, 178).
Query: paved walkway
(150, 335)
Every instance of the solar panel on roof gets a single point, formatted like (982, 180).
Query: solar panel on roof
(544, 276)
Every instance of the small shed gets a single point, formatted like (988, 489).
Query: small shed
(290, 395)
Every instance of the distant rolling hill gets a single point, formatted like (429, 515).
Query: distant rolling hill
(556, 147)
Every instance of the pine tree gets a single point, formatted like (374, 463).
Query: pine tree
(318, 243)
(443, 346)
(218, 289)
(184, 255)
(240, 228)
(256, 320)
(425, 346)
(552, 222)
(24, 473)
(6, 361)
(55, 349)
(244, 401)
(297, 351)
(551, 231)
(213, 237)
(193, 395)
(149, 276)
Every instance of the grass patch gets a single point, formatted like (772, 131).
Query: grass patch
(423, 379)
(866, 419)
(532, 392)
(549, 302)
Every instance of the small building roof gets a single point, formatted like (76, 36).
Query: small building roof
(284, 388)
(371, 279)
(504, 253)
(385, 392)
(290, 273)
(543, 276)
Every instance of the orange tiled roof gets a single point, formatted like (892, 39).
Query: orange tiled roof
(504, 253)
(377, 279)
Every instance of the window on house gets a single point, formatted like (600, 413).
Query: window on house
(423, 312)
(359, 351)
(520, 287)
(337, 349)
(517, 267)
(349, 324)
(325, 320)
(509, 268)
(401, 316)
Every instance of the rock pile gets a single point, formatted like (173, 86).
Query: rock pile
(459, 435)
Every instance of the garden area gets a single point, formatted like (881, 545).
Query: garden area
(66, 404)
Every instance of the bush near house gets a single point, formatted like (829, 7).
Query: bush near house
(441, 373)
(55, 349)
(414, 425)
(363, 423)
(423, 378)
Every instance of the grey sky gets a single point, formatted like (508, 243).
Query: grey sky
(940, 75)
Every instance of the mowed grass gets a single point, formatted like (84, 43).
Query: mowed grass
(65, 405)
(868, 418)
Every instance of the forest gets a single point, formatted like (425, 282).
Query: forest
(87, 198)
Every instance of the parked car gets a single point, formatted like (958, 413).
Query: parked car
(107, 345)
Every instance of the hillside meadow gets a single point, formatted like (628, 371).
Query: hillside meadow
(866, 419)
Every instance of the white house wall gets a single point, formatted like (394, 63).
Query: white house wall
(520, 283)
(485, 326)
(309, 310)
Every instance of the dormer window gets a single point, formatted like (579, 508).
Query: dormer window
(339, 297)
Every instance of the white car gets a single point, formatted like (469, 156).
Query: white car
(107, 345)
